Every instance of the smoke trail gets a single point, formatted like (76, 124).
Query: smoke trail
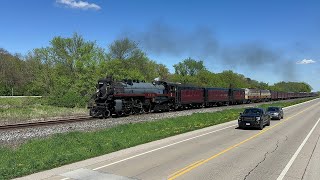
(162, 39)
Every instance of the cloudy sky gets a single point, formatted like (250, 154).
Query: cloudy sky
(268, 41)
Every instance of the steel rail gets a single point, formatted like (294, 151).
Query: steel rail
(43, 123)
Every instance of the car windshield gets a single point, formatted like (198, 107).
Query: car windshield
(273, 109)
(252, 111)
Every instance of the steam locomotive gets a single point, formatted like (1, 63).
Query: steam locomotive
(126, 97)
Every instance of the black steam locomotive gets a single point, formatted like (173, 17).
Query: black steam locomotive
(130, 97)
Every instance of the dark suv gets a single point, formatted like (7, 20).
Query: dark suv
(275, 112)
(253, 117)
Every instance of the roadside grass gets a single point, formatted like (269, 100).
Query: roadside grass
(27, 108)
(60, 149)
(20, 101)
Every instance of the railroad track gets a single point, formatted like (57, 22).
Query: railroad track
(49, 122)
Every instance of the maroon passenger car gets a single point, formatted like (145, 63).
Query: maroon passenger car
(189, 96)
(216, 96)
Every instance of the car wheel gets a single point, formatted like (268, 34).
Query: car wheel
(268, 123)
(261, 125)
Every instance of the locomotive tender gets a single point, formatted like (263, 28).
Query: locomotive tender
(136, 97)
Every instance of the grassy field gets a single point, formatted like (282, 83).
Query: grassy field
(41, 154)
(26, 108)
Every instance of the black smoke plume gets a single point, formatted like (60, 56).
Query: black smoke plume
(162, 39)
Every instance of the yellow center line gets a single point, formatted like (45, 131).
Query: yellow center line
(199, 163)
(186, 168)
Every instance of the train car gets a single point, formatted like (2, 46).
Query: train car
(274, 95)
(265, 95)
(290, 95)
(237, 96)
(189, 96)
(216, 96)
(281, 95)
(303, 94)
(252, 95)
(285, 95)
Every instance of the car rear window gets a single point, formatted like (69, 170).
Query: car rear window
(252, 111)
(273, 109)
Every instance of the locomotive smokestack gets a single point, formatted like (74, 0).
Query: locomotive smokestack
(157, 79)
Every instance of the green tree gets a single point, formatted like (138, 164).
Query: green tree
(130, 62)
(13, 73)
(123, 49)
(189, 67)
(291, 87)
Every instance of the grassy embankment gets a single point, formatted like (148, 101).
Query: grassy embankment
(60, 149)
(26, 108)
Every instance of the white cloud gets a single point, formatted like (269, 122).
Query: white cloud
(78, 4)
(306, 61)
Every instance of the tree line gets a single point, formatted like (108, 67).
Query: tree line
(67, 70)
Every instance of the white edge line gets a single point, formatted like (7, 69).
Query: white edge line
(97, 168)
(163, 147)
(299, 104)
(285, 170)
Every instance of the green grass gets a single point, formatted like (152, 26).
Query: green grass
(26, 108)
(60, 149)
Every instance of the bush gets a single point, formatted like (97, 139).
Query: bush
(70, 99)
(4, 90)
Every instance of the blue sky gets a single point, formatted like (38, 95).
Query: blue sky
(264, 40)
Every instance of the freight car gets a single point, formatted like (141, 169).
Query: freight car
(282, 95)
(274, 95)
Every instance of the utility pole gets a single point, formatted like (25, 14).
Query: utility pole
(12, 91)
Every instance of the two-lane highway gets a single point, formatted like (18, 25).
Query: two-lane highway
(288, 149)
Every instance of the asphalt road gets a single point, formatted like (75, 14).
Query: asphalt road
(288, 149)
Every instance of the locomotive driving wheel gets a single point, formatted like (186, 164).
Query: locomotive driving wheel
(106, 114)
(119, 113)
(137, 107)
(147, 108)
(94, 113)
